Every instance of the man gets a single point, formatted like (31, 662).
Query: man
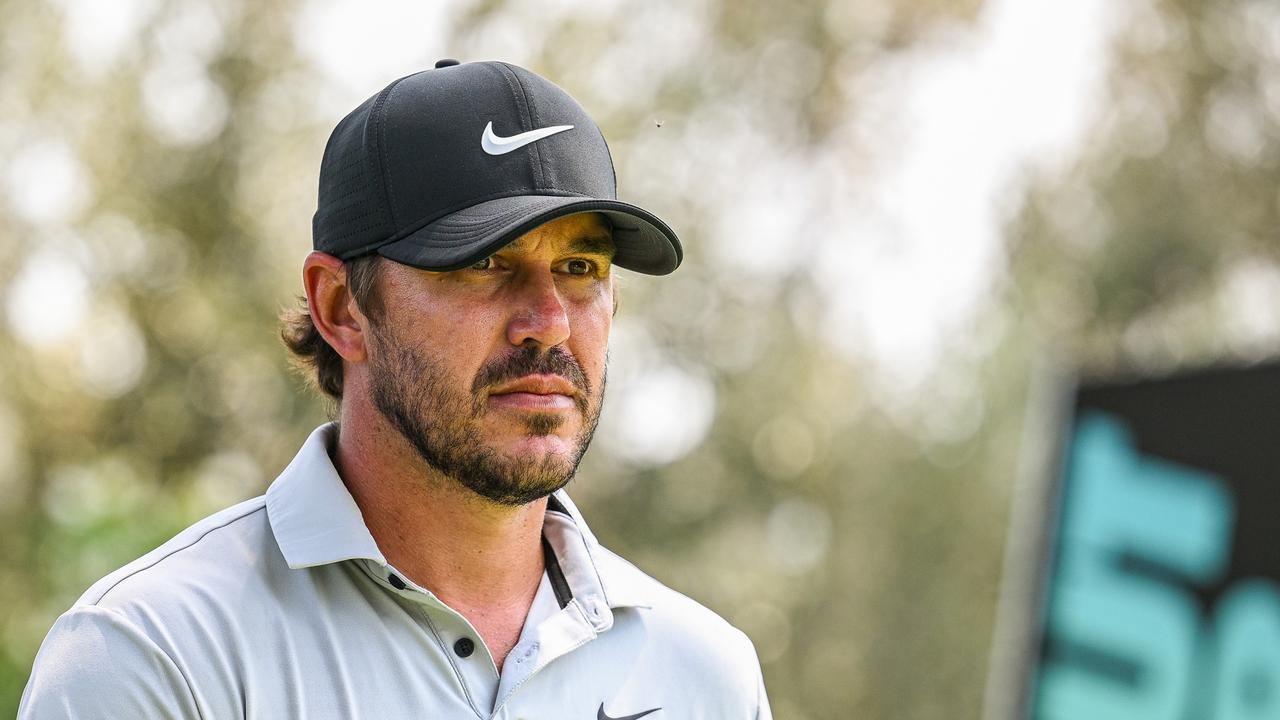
(419, 558)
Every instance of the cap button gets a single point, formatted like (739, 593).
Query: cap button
(447, 62)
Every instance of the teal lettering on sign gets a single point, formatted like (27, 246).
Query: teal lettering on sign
(1138, 532)
(1245, 640)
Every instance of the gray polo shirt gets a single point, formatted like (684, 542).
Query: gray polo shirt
(283, 607)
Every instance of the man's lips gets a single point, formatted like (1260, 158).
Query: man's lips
(536, 392)
(537, 385)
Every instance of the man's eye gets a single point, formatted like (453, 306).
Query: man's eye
(578, 267)
(484, 264)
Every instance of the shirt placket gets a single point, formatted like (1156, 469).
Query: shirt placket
(570, 628)
(457, 639)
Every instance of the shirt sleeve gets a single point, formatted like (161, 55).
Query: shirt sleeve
(762, 701)
(94, 663)
(763, 711)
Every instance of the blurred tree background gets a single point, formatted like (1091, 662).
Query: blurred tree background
(813, 427)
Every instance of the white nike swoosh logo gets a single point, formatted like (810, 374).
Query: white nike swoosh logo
(495, 145)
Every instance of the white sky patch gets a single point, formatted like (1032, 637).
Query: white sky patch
(660, 36)
(48, 299)
(1249, 304)
(96, 32)
(765, 226)
(660, 416)
(361, 49)
(194, 28)
(655, 411)
(46, 184)
(113, 355)
(184, 105)
(919, 243)
(799, 533)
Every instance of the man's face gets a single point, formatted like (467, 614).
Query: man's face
(495, 373)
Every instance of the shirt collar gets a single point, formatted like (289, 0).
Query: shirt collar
(317, 522)
(590, 570)
(313, 516)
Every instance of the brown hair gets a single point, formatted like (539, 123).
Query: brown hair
(312, 355)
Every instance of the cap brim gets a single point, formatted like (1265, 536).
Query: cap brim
(644, 243)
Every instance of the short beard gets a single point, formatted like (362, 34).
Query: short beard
(410, 390)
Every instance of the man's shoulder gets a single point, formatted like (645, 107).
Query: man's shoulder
(216, 551)
(137, 640)
(687, 640)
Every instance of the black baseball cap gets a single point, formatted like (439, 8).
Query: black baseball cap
(444, 167)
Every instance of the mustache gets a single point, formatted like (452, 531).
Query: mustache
(529, 361)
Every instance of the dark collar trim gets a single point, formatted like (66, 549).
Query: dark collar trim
(554, 505)
(556, 575)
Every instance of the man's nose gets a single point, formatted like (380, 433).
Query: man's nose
(540, 316)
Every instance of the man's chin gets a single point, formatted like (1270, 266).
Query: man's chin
(516, 422)
(524, 473)
(515, 429)
(540, 448)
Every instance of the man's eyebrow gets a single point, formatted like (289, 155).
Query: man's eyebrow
(593, 245)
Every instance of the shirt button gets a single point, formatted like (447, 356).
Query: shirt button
(464, 647)
(395, 581)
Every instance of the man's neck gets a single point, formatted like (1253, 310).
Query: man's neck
(482, 559)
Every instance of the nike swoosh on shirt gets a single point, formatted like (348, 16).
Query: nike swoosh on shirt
(495, 145)
(602, 715)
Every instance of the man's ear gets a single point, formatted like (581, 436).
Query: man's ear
(333, 307)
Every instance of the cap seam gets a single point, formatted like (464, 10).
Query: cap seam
(613, 171)
(362, 250)
(377, 172)
(357, 231)
(337, 238)
(527, 111)
(532, 108)
(377, 116)
(350, 163)
(379, 129)
(346, 193)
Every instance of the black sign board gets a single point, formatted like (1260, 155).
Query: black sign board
(1162, 594)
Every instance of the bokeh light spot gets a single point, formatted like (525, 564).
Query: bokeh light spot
(47, 300)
